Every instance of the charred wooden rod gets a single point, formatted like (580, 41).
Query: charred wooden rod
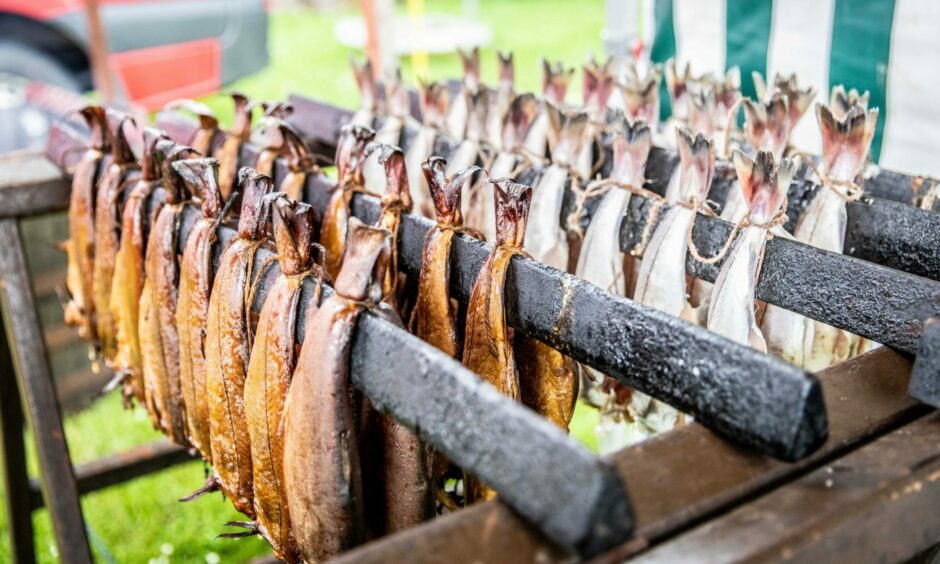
(925, 378)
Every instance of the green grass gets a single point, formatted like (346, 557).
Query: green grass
(142, 520)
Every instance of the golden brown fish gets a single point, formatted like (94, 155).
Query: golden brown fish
(230, 152)
(120, 173)
(435, 314)
(201, 177)
(159, 339)
(322, 471)
(396, 199)
(488, 349)
(229, 342)
(274, 143)
(80, 309)
(271, 368)
(129, 268)
(350, 154)
(203, 140)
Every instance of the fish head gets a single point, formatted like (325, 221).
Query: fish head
(368, 251)
(840, 101)
(696, 164)
(396, 177)
(567, 134)
(98, 124)
(203, 113)
(555, 80)
(763, 182)
(433, 98)
(201, 176)
(512, 202)
(255, 189)
(767, 123)
(677, 83)
(118, 121)
(598, 85)
(350, 154)
(292, 223)
(365, 83)
(470, 60)
(241, 123)
(632, 143)
(519, 118)
(846, 141)
(150, 169)
(641, 95)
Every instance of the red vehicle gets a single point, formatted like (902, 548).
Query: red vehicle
(159, 50)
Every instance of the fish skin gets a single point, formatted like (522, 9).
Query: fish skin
(203, 139)
(548, 241)
(368, 93)
(229, 342)
(547, 379)
(80, 247)
(555, 80)
(230, 152)
(398, 107)
(488, 349)
(433, 97)
(300, 163)
(458, 112)
(322, 471)
(270, 370)
(120, 173)
(396, 465)
(661, 282)
(846, 141)
(764, 182)
(350, 154)
(201, 176)
(129, 269)
(435, 313)
(159, 338)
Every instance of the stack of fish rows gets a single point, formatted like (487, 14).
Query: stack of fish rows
(291, 443)
(557, 148)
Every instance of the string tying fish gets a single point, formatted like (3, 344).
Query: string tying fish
(779, 218)
(597, 188)
(852, 192)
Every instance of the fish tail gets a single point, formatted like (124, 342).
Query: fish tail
(212, 484)
(632, 144)
(846, 139)
(696, 164)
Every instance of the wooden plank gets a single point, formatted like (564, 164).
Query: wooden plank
(122, 467)
(15, 477)
(31, 184)
(32, 369)
(877, 504)
(866, 397)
